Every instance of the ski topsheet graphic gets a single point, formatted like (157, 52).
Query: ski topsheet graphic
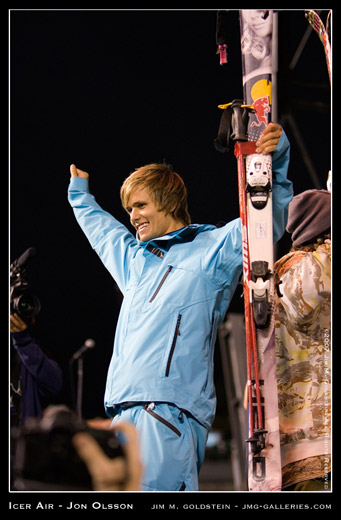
(322, 31)
(243, 121)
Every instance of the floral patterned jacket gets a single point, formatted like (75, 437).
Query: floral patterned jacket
(303, 358)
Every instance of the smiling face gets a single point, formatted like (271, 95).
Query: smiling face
(147, 219)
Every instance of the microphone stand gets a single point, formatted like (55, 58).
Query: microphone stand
(80, 373)
(89, 343)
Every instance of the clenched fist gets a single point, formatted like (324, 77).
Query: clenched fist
(75, 172)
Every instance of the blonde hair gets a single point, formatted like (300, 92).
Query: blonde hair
(166, 189)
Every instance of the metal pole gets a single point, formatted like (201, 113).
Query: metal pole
(79, 386)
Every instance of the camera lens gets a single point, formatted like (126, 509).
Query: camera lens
(27, 305)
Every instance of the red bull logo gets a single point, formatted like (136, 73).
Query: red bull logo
(261, 101)
(262, 108)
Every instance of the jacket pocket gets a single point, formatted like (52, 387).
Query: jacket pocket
(149, 409)
(175, 338)
(164, 278)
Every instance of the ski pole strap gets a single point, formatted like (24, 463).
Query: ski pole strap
(233, 124)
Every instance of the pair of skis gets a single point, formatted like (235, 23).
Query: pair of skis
(243, 121)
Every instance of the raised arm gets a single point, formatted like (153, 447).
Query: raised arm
(111, 240)
(226, 254)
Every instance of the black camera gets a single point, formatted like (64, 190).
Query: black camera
(45, 458)
(23, 302)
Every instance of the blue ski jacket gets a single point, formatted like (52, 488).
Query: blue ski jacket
(176, 291)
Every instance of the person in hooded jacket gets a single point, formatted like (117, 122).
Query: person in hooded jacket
(177, 280)
(303, 345)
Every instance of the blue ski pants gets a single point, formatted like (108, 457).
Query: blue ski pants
(172, 445)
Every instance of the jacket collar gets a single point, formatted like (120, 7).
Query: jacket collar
(188, 231)
(160, 245)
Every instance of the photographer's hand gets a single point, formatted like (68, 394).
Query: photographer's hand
(75, 172)
(17, 324)
(118, 474)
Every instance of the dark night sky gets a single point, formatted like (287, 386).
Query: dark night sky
(111, 90)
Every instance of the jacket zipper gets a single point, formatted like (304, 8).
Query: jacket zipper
(149, 409)
(175, 337)
(170, 267)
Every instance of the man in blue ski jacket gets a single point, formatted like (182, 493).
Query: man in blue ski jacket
(177, 280)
